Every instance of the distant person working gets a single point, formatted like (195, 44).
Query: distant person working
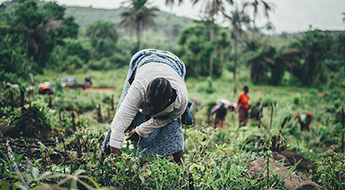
(220, 112)
(243, 99)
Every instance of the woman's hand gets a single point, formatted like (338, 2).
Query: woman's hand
(115, 151)
(133, 135)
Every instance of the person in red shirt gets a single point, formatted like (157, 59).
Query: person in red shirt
(243, 99)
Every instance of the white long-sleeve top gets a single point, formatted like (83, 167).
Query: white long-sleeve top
(135, 101)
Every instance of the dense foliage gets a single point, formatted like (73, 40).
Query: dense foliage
(213, 158)
(39, 35)
(66, 129)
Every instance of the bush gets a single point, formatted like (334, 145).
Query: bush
(73, 62)
(297, 99)
(337, 103)
(31, 121)
(329, 171)
(99, 65)
(206, 86)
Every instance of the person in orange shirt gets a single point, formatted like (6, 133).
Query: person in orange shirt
(243, 99)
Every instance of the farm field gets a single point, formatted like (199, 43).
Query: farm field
(53, 142)
(63, 68)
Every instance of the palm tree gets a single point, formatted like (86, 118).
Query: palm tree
(237, 20)
(255, 4)
(312, 49)
(172, 2)
(35, 34)
(284, 59)
(137, 15)
(214, 8)
(36, 29)
(223, 43)
(340, 44)
(258, 56)
(103, 36)
(103, 29)
(264, 59)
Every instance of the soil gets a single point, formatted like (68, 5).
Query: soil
(293, 181)
(31, 149)
(99, 90)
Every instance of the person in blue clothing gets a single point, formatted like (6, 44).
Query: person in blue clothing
(153, 100)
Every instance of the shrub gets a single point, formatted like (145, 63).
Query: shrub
(34, 120)
(206, 86)
(297, 99)
(330, 170)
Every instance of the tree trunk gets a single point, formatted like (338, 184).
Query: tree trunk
(27, 51)
(235, 65)
(343, 123)
(22, 98)
(211, 55)
(221, 57)
(140, 28)
(112, 103)
(138, 36)
(212, 39)
(11, 100)
(254, 27)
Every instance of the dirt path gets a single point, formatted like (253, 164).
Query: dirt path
(100, 90)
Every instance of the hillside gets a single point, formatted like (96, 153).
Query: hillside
(167, 26)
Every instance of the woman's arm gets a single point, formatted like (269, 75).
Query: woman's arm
(126, 113)
(146, 128)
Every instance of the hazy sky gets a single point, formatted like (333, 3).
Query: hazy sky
(289, 15)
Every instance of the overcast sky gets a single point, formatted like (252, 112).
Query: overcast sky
(289, 15)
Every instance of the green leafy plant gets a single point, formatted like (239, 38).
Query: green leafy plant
(329, 170)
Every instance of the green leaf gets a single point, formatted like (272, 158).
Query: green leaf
(142, 179)
(94, 182)
(35, 172)
(124, 177)
(193, 166)
(4, 185)
(78, 172)
(45, 175)
(291, 170)
(85, 184)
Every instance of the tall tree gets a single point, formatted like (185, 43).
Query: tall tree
(313, 48)
(283, 59)
(258, 56)
(237, 20)
(40, 28)
(172, 2)
(196, 49)
(255, 5)
(214, 8)
(223, 46)
(137, 14)
(103, 29)
(13, 67)
(340, 43)
(103, 36)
